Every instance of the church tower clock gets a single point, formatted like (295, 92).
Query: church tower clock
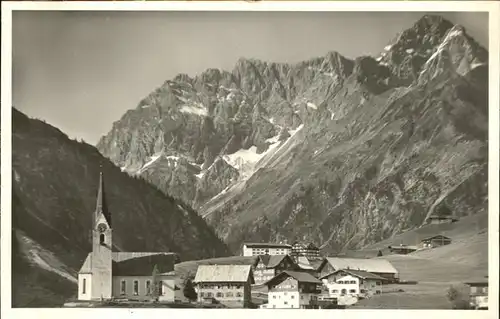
(102, 258)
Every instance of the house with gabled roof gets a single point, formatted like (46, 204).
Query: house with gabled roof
(435, 241)
(229, 285)
(377, 266)
(268, 266)
(293, 289)
(106, 274)
(352, 282)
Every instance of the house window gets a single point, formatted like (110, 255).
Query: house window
(353, 281)
(136, 287)
(101, 239)
(148, 287)
(239, 294)
(123, 287)
(202, 294)
(229, 294)
(378, 283)
(334, 291)
(160, 288)
(84, 284)
(286, 302)
(219, 295)
(363, 291)
(293, 297)
(352, 291)
(377, 292)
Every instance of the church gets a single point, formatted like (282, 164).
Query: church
(107, 274)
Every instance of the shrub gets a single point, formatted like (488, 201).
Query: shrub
(458, 298)
(189, 291)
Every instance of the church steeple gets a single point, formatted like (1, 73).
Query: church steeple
(101, 205)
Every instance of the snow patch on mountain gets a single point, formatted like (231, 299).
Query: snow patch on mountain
(43, 258)
(312, 105)
(152, 159)
(194, 109)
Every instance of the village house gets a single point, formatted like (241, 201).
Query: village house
(402, 249)
(268, 266)
(257, 249)
(478, 294)
(229, 285)
(106, 274)
(358, 283)
(435, 241)
(435, 219)
(293, 289)
(310, 250)
(304, 264)
(376, 266)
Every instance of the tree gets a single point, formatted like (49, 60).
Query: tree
(189, 291)
(154, 284)
(457, 298)
(379, 253)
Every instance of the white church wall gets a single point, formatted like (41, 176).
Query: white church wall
(84, 286)
(139, 291)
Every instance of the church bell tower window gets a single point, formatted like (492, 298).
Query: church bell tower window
(101, 239)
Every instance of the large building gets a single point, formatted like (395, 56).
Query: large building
(268, 266)
(478, 294)
(257, 249)
(352, 282)
(292, 289)
(229, 285)
(106, 274)
(310, 250)
(380, 267)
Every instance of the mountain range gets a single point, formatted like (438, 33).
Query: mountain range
(335, 151)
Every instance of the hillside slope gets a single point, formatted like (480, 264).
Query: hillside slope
(343, 153)
(54, 188)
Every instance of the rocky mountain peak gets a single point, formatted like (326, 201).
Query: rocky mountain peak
(354, 134)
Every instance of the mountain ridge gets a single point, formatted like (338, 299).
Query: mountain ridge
(341, 152)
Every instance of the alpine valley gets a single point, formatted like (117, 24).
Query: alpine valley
(343, 153)
(54, 188)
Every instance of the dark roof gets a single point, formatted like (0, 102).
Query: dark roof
(136, 263)
(312, 246)
(436, 237)
(478, 284)
(299, 276)
(272, 261)
(357, 273)
(144, 265)
(267, 245)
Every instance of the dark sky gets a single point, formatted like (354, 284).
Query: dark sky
(80, 71)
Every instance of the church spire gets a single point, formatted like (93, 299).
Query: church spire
(101, 205)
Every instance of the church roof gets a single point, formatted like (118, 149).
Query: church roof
(101, 204)
(136, 263)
